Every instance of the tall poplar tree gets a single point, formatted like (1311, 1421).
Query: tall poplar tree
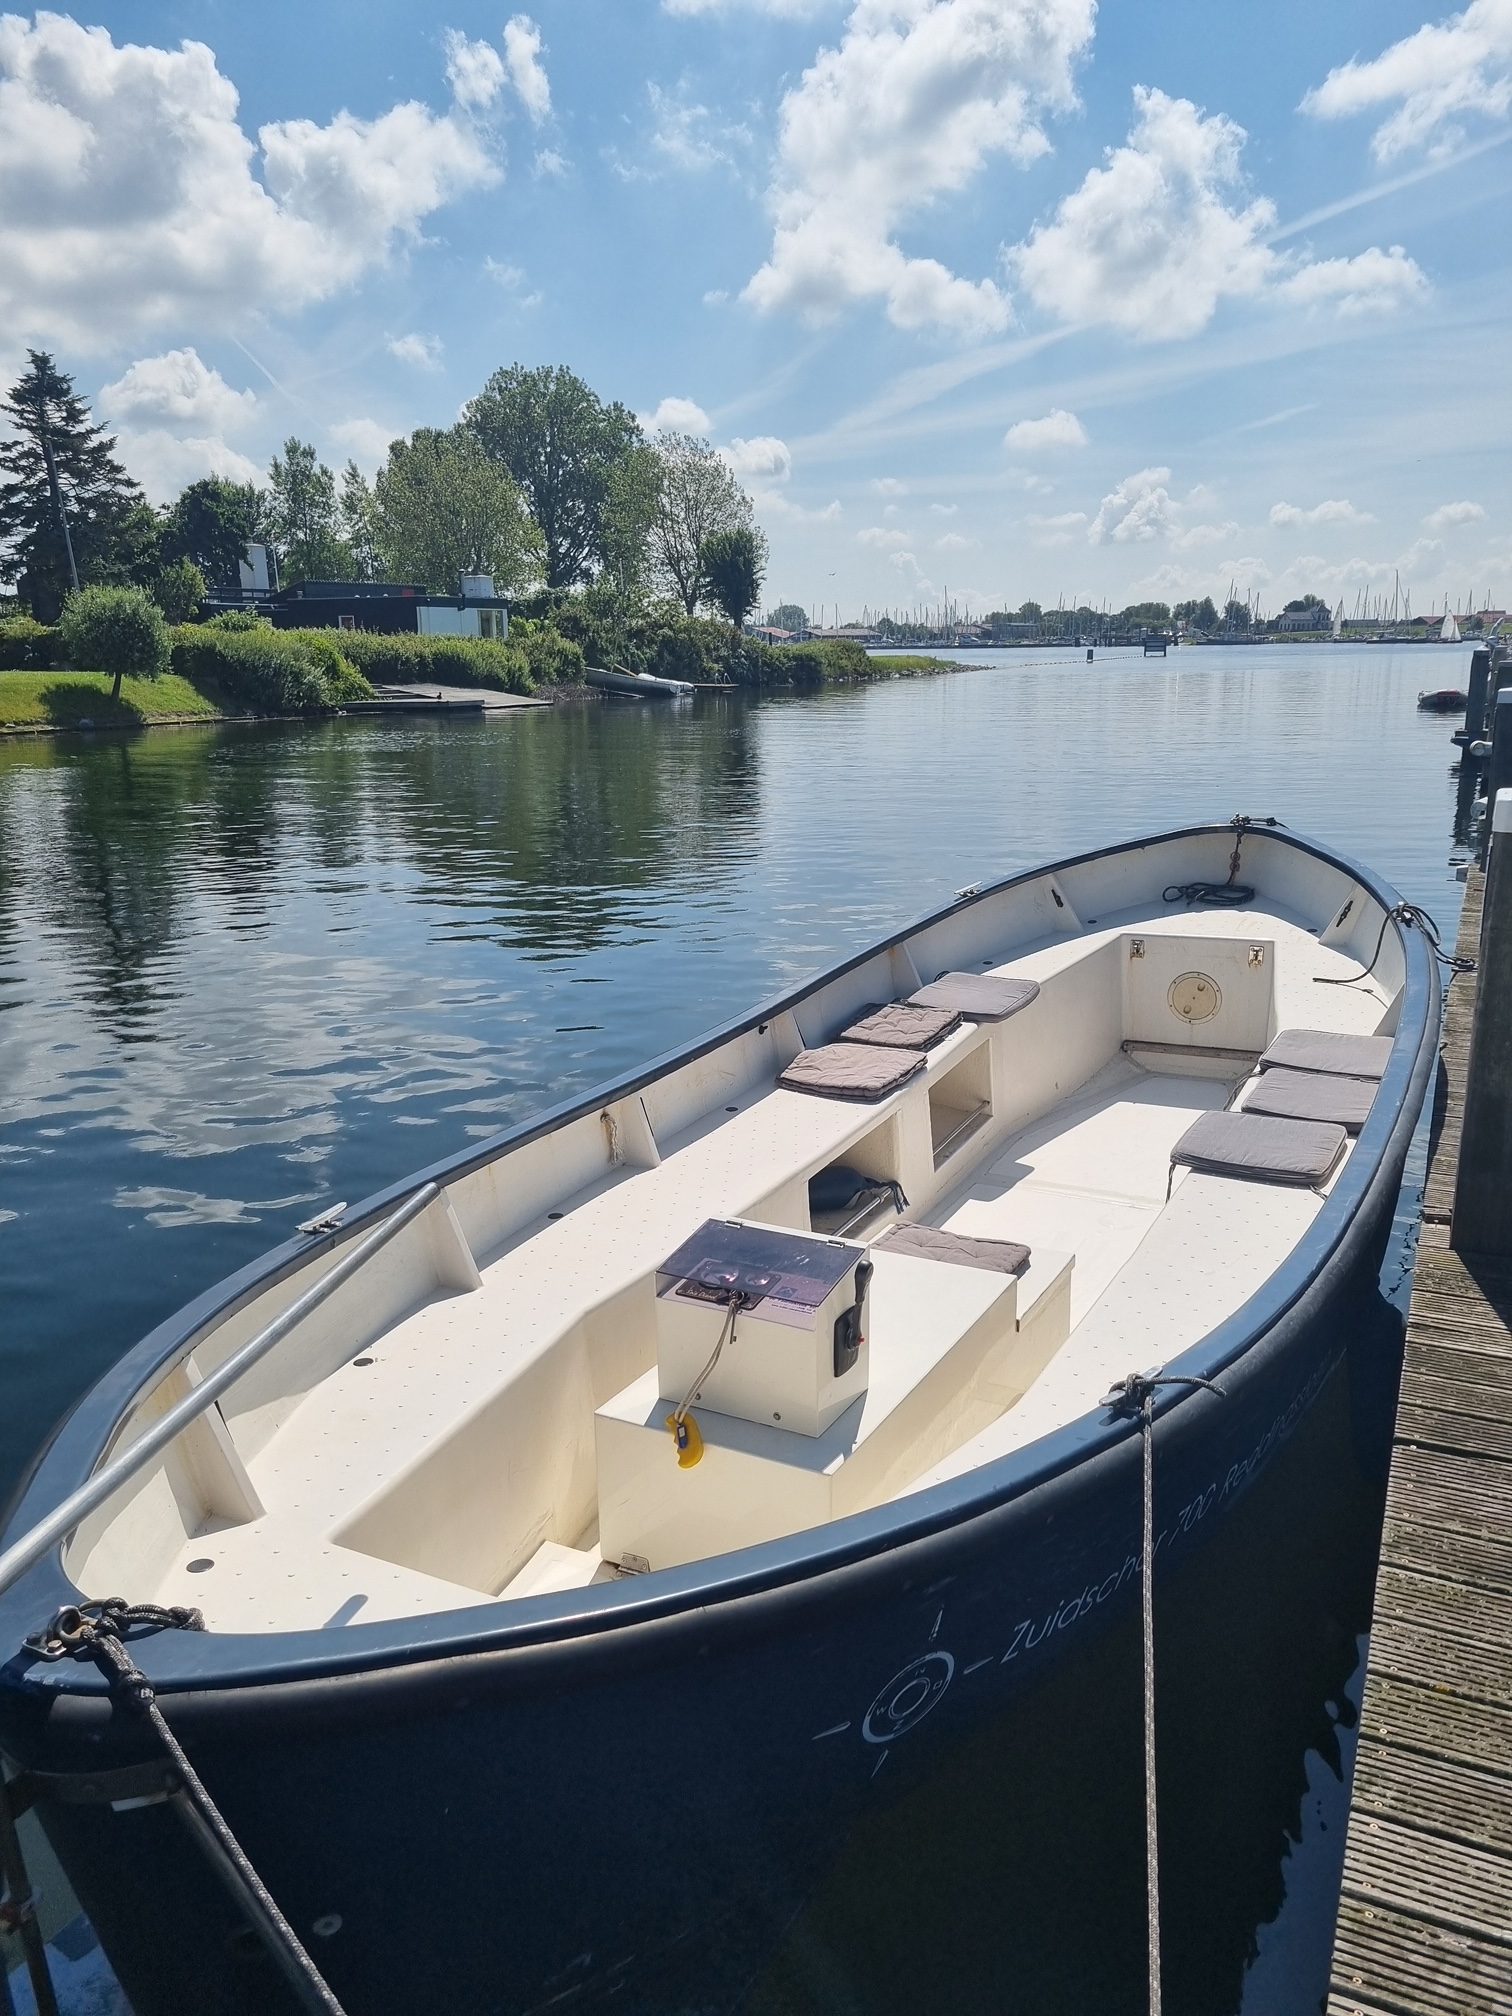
(61, 488)
(302, 515)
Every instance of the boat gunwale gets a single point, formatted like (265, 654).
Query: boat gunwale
(220, 1661)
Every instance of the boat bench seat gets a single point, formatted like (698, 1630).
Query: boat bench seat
(901, 1025)
(1312, 1095)
(933, 1242)
(1260, 1148)
(851, 1070)
(983, 997)
(1328, 1050)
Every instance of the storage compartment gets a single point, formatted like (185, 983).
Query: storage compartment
(840, 1210)
(960, 1103)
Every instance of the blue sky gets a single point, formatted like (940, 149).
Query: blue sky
(1014, 297)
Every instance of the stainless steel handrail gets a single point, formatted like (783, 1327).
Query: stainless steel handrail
(92, 1493)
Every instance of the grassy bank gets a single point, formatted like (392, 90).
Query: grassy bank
(909, 665)
(64, 699)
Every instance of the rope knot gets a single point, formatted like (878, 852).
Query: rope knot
(1136, 1391)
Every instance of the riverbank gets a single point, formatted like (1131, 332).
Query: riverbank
(46, 702)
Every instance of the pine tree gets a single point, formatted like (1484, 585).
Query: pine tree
(61, 485)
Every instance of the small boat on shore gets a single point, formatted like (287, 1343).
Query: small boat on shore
(1447, 700)
(576, 1529)
(638, 685)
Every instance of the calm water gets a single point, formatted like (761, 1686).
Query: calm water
(247, 971)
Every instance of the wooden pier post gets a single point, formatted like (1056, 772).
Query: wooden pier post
(1476, 699)
(1499, 762)
(1482, 1218)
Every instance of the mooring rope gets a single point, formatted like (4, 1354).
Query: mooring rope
(1453, 963)
(1136, 1395)
(97, 1631)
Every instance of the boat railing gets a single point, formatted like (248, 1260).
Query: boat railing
(26, 1552)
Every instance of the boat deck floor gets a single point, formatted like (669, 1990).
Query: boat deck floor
(1088, 1179)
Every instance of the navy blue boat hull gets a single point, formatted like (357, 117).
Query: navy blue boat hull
(636, 1821)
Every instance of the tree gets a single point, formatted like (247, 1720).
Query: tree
(178, 588)
(1236, 616)
(733, 565)
(788, 616)
(696, 498)
(213, 523)
(1197, 615)
(443, 508)
(630, 496)
(302, 516)
(1303, 603)
(559, 441)
(358, 513)
(65, 501)
(116, 630)
(1030, 612)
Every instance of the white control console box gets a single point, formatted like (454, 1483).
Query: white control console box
(798, 1355)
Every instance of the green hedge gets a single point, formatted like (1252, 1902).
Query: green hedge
(27, 646)
(268, 671)
(550, 658)
(404, 659)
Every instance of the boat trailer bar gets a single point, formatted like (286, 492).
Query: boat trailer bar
(93, 1492)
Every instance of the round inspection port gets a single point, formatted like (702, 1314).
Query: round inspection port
(362, 1361)
(1195, 997)
(199, 1564)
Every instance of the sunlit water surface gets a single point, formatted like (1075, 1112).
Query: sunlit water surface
(247, 971)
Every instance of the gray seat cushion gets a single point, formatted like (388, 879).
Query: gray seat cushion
(985, 997)
(931, 1242)
(1256, 1146)
(899, 1025)
(1313, 1095)
(1328, 1050)
(851, 1070)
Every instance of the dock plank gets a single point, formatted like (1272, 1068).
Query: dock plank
(1425, 1916)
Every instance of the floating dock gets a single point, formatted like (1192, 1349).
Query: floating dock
(1425, 1916)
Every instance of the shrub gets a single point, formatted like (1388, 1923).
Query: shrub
(835, 658)
(404, 659)
(26, 645)
(340, 676)
(116, 631)
(264, 671)
(238, 620)
(550, 658)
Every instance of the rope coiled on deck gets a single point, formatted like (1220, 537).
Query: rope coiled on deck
(97, 1631)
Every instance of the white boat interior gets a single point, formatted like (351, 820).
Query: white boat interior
(481, 1413)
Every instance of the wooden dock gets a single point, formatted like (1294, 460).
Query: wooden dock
(1425, 1915)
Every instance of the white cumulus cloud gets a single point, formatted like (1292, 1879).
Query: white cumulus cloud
(1140, 508)
(126, 179)
(1433, 78)
(424, 352)
(173, 414)
(889, 486)
(1058, 530)
(177, 389)
(886, 538)
(474, 70)
(1370, 283)
(1154, 241)
(1057, 429)
(909, 106)
(677, 416)
(1449, 515)
(365, 441)
(522, 59)
(763, 459)
(1332, 511)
